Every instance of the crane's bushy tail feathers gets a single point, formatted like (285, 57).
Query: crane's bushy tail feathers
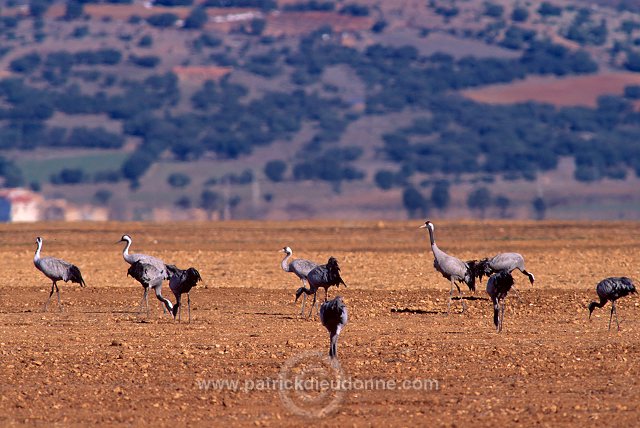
(76, 276)
(333, 348)
(171, 270)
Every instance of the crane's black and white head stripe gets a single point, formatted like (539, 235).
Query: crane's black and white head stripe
(287, 250)
(428, 225)
(38, 240)
(125, 238)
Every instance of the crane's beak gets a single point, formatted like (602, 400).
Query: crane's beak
(122, 240)
(424, 226)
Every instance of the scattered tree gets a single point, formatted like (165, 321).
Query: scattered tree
(479, 200)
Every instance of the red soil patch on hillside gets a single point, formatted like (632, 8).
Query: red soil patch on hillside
(201, 73)
(294, 23)
(568, 91)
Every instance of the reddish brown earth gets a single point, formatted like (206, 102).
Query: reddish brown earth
(565, 91)
(99, 361)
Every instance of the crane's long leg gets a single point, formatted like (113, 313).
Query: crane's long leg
(189, 306)
(616, 312)
(313, 305)
(326, 294)
(60, 304)
(513, 287)
(46, 304)
(304, 298)
(464, 305)
(502, 314)
(450, 296)
(613, 308)
(144, 300)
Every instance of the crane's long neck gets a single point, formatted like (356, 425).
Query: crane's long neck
(36, 257)
(125, 252)
(285, 262)
(432, 239)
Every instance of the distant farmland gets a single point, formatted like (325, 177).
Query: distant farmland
(567, 91)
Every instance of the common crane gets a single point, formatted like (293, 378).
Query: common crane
(323, 276)
(145, 259)
(503, 261)
(452, 268)
(56, 270)
(182, 281)
(611, 289)
(299, 267)
(149, 276)
(334, 316)
(498, 287)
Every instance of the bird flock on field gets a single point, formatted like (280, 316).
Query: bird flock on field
(151, 272)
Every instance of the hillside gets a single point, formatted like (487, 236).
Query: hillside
(324, 109)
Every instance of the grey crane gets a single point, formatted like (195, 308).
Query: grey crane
(182, 281)
(56, 270)
(452, 268)
(149, 276)
(611, 289)
(498, 287)
(334, 316)
(157, 264)
(323, 276)
(503, 261)
(299, 267)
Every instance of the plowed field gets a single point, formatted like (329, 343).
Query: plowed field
(404, 361)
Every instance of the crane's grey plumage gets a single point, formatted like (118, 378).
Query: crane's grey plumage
(334, 316)
(452, 268)
(611, 289)
(503, 261)
(144, 273)
(323, 276)
(498, 287)
(182, 281)
(149, 276)
(56, 270)
(299, 267)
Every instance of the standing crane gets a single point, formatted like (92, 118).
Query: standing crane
(323, 276)
(334, 316)
(503, 261)
(452, 268)
(182, 281)
(299, 267)
(150, 270)
(611, 289)
(149, 276)
(56, 270)
(498, 287)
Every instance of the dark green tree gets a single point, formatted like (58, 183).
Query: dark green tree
(479, 200)
(414, 202)
(178, 180)
(539, 208)
(502, 203)
(275, 169)
(440, 196)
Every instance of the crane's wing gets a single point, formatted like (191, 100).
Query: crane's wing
(146, 274)
(507, 261)
(302, 267)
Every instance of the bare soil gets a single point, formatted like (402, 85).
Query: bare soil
(100, 361)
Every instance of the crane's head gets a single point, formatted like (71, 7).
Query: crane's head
(427, 225)
(287, 250)
(125, 238)
(38, 241)
(194, 275)
(592, 306)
